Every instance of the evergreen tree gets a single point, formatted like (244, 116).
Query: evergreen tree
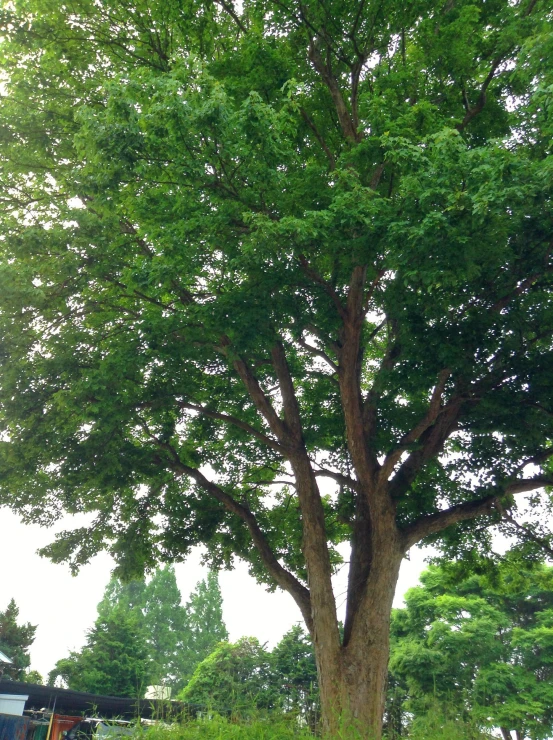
(165, 626)
(15, 641)
(205, 627)
(173, 637)
(295, 674)
(114, 660)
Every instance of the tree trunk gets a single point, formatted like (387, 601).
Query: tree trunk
(353, 683)
(506, 734)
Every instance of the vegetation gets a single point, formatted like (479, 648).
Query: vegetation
(204, 625)
(480, 646)
(249, 249)
(217, 728)
(15, 641)
(114, 661)
(143, 635)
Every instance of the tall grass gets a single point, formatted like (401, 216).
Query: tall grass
(221, 728)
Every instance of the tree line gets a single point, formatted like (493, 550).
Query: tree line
(469, 650)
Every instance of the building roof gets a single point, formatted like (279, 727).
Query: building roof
(4, 658)
(65, 701)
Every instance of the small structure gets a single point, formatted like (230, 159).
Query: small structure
(160, 693)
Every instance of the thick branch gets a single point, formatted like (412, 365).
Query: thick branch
(434, 523)
(314, 540)
(289, 400)
(350, 357)
(343, 480)
(393, 352)
(481, 102)
(284, 578)
(537, 459)
(431, 443)
(260, 399)
(323, 68)
(235, 422)
(434, 409)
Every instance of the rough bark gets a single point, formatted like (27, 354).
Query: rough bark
(353, 692)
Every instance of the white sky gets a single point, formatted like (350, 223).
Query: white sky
(64, 607)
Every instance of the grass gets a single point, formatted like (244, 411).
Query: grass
(220, 728)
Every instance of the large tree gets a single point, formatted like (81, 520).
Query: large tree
(248, 249)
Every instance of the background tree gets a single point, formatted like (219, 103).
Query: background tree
(235, 678)
(481, 646)
(204, 625)
(295, 675)
(247, 250)
(176, 637)
(15, 641)
(114, 661)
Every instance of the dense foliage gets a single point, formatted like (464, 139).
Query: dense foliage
(204, 625)
(245, 678)
(113, 662)
(15, 641)
(143, 635)
(481, 646)
(246, 249)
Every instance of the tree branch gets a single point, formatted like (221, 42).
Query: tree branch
(286, 580)
(317, 353)
(528, 534)
(434, 523)
(259, 398)
(536, 459)
(434, 409)
(319, 137)
(350, 355)
(328, 289)
(343, 480)
(228, 7)
(323, 68)
(432, 442)
(235, 422)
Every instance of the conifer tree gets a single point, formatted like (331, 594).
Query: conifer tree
(114, 660)
(15, 641)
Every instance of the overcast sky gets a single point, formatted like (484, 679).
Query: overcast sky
(64, 607)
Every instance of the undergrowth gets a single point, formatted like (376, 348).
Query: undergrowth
(220, 728)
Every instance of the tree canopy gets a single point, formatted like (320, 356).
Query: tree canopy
(481, 645)
(246, 250)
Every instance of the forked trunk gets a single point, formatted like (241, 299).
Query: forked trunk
(353, 684)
